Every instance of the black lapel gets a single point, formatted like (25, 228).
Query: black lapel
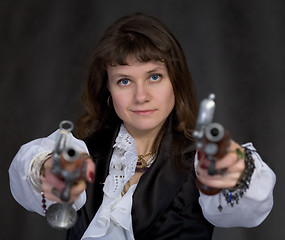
(159, 185)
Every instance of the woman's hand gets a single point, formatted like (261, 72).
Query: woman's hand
(229, 169)
(52, 185)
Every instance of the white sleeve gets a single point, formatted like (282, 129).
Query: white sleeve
(252, 208)
(21, 186)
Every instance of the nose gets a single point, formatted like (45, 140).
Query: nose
(141, 93)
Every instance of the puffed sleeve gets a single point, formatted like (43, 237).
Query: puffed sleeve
(24, 172)
(252, 208)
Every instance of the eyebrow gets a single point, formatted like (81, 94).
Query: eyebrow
(156, 69)
(118, 76)
(121, 75)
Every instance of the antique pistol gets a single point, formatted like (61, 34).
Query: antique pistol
(67, 162)
(211, 139)
(70, 166)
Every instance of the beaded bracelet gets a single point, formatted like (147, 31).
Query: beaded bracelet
(44, 206)
(233, 195)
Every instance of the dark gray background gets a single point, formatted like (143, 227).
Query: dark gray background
(234, 49)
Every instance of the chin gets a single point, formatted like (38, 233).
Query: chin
(146, 127)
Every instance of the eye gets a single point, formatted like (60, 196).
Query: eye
(124, 82)
(155, 77)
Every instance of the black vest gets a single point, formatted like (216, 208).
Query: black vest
(165, 202)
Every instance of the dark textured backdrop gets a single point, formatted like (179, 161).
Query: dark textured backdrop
(234, 48)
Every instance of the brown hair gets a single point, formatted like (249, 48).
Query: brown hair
(146, 38)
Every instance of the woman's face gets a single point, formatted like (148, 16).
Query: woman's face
(142, 95)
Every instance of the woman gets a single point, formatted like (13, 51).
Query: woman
(140, 115)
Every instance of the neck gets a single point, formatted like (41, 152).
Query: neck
(144, 145)
(144, 140)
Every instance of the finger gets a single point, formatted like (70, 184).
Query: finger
(238, 167)
(226, 175)
(224, 168)
(54, 194)
(53, 180)
(90, 170)
(76, 190)
(235, 154)
(227, 161)
(218, 181)
(231, 174)
(50, 192)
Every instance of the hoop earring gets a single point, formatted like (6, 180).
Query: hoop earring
(108, 101)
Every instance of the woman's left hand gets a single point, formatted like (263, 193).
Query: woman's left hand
(229, 169)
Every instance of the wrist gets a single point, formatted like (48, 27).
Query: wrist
(36, 167)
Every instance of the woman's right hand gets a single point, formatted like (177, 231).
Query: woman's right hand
(53, 185)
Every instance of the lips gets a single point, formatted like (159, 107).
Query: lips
(144, 112)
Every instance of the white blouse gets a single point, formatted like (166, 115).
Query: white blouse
(113, 219)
